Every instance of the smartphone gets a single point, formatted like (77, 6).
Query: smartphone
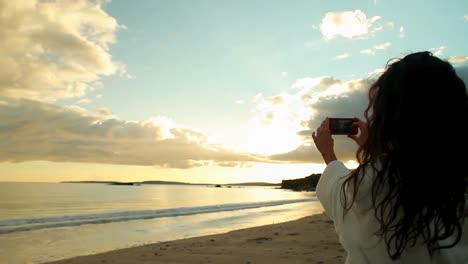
(342, 126)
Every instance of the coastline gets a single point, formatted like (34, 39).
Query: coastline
(310, 239)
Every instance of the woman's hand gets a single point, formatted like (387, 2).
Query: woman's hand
(324, 141)
(362, 136)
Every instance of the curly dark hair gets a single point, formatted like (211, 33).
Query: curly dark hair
(418, 111)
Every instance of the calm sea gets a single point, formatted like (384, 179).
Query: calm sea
(41, 222)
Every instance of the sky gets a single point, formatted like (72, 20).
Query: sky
(199, 91)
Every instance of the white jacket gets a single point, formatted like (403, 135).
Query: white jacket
(356, 231)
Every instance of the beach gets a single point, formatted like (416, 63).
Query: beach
(45, 222)
(310, 239)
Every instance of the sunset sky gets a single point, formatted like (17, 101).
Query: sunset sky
(203, 91)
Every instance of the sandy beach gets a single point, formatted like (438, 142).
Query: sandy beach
(311, 239)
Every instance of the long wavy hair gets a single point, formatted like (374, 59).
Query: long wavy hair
(417, 149)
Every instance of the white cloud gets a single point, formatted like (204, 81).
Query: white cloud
(286, 115)
(348, 24)
(31, 130)
(273, 124)
(438, 51)
(276, 119)
(318, 87)
(332, 98)
(308, 82)
(342, 56)
(55, 49)
(84, 101)
(372, 51)
(349, 99)
(465, 17)
(458, 59)
(368, 52)
(402, 32)
(383, 46)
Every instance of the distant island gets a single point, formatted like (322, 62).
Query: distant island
(308, 183)
(176, 183)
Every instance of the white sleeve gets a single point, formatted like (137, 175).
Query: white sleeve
(329, 190)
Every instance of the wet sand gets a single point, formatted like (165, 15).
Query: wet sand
(311, 239)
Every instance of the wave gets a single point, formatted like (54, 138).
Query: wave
(28, 224)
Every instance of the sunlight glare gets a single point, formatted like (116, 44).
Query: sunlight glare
(351, 164)
(271, 140)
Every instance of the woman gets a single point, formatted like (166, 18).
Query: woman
(406, 202)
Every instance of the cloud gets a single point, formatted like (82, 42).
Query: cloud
(368, 52)
(350, 100)
(402, 32)
(281, 124)
(465, 17)
(84, 101)
(105, 113)
(276, 119)
(348, 24)
(458, 59)
(55, 49)
(438, 51)
(375, 48)
(383, 46)
(32, 130)
(342, 56)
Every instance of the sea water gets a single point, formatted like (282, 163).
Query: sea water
(41, 222)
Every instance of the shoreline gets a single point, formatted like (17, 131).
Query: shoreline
(310, 239)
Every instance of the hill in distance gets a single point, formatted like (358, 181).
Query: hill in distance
(177, 183)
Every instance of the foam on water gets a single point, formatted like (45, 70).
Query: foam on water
(27, 224)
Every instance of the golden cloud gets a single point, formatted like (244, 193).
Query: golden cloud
(32, 130)
(54, 49)
(458, 59)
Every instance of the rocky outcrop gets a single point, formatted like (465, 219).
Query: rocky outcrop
(308, 183)
(125, 183)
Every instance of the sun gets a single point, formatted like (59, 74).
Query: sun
(271, 140)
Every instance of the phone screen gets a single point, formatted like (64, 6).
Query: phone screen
(342, 126)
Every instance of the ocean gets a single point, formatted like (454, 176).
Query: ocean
(41, 222)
